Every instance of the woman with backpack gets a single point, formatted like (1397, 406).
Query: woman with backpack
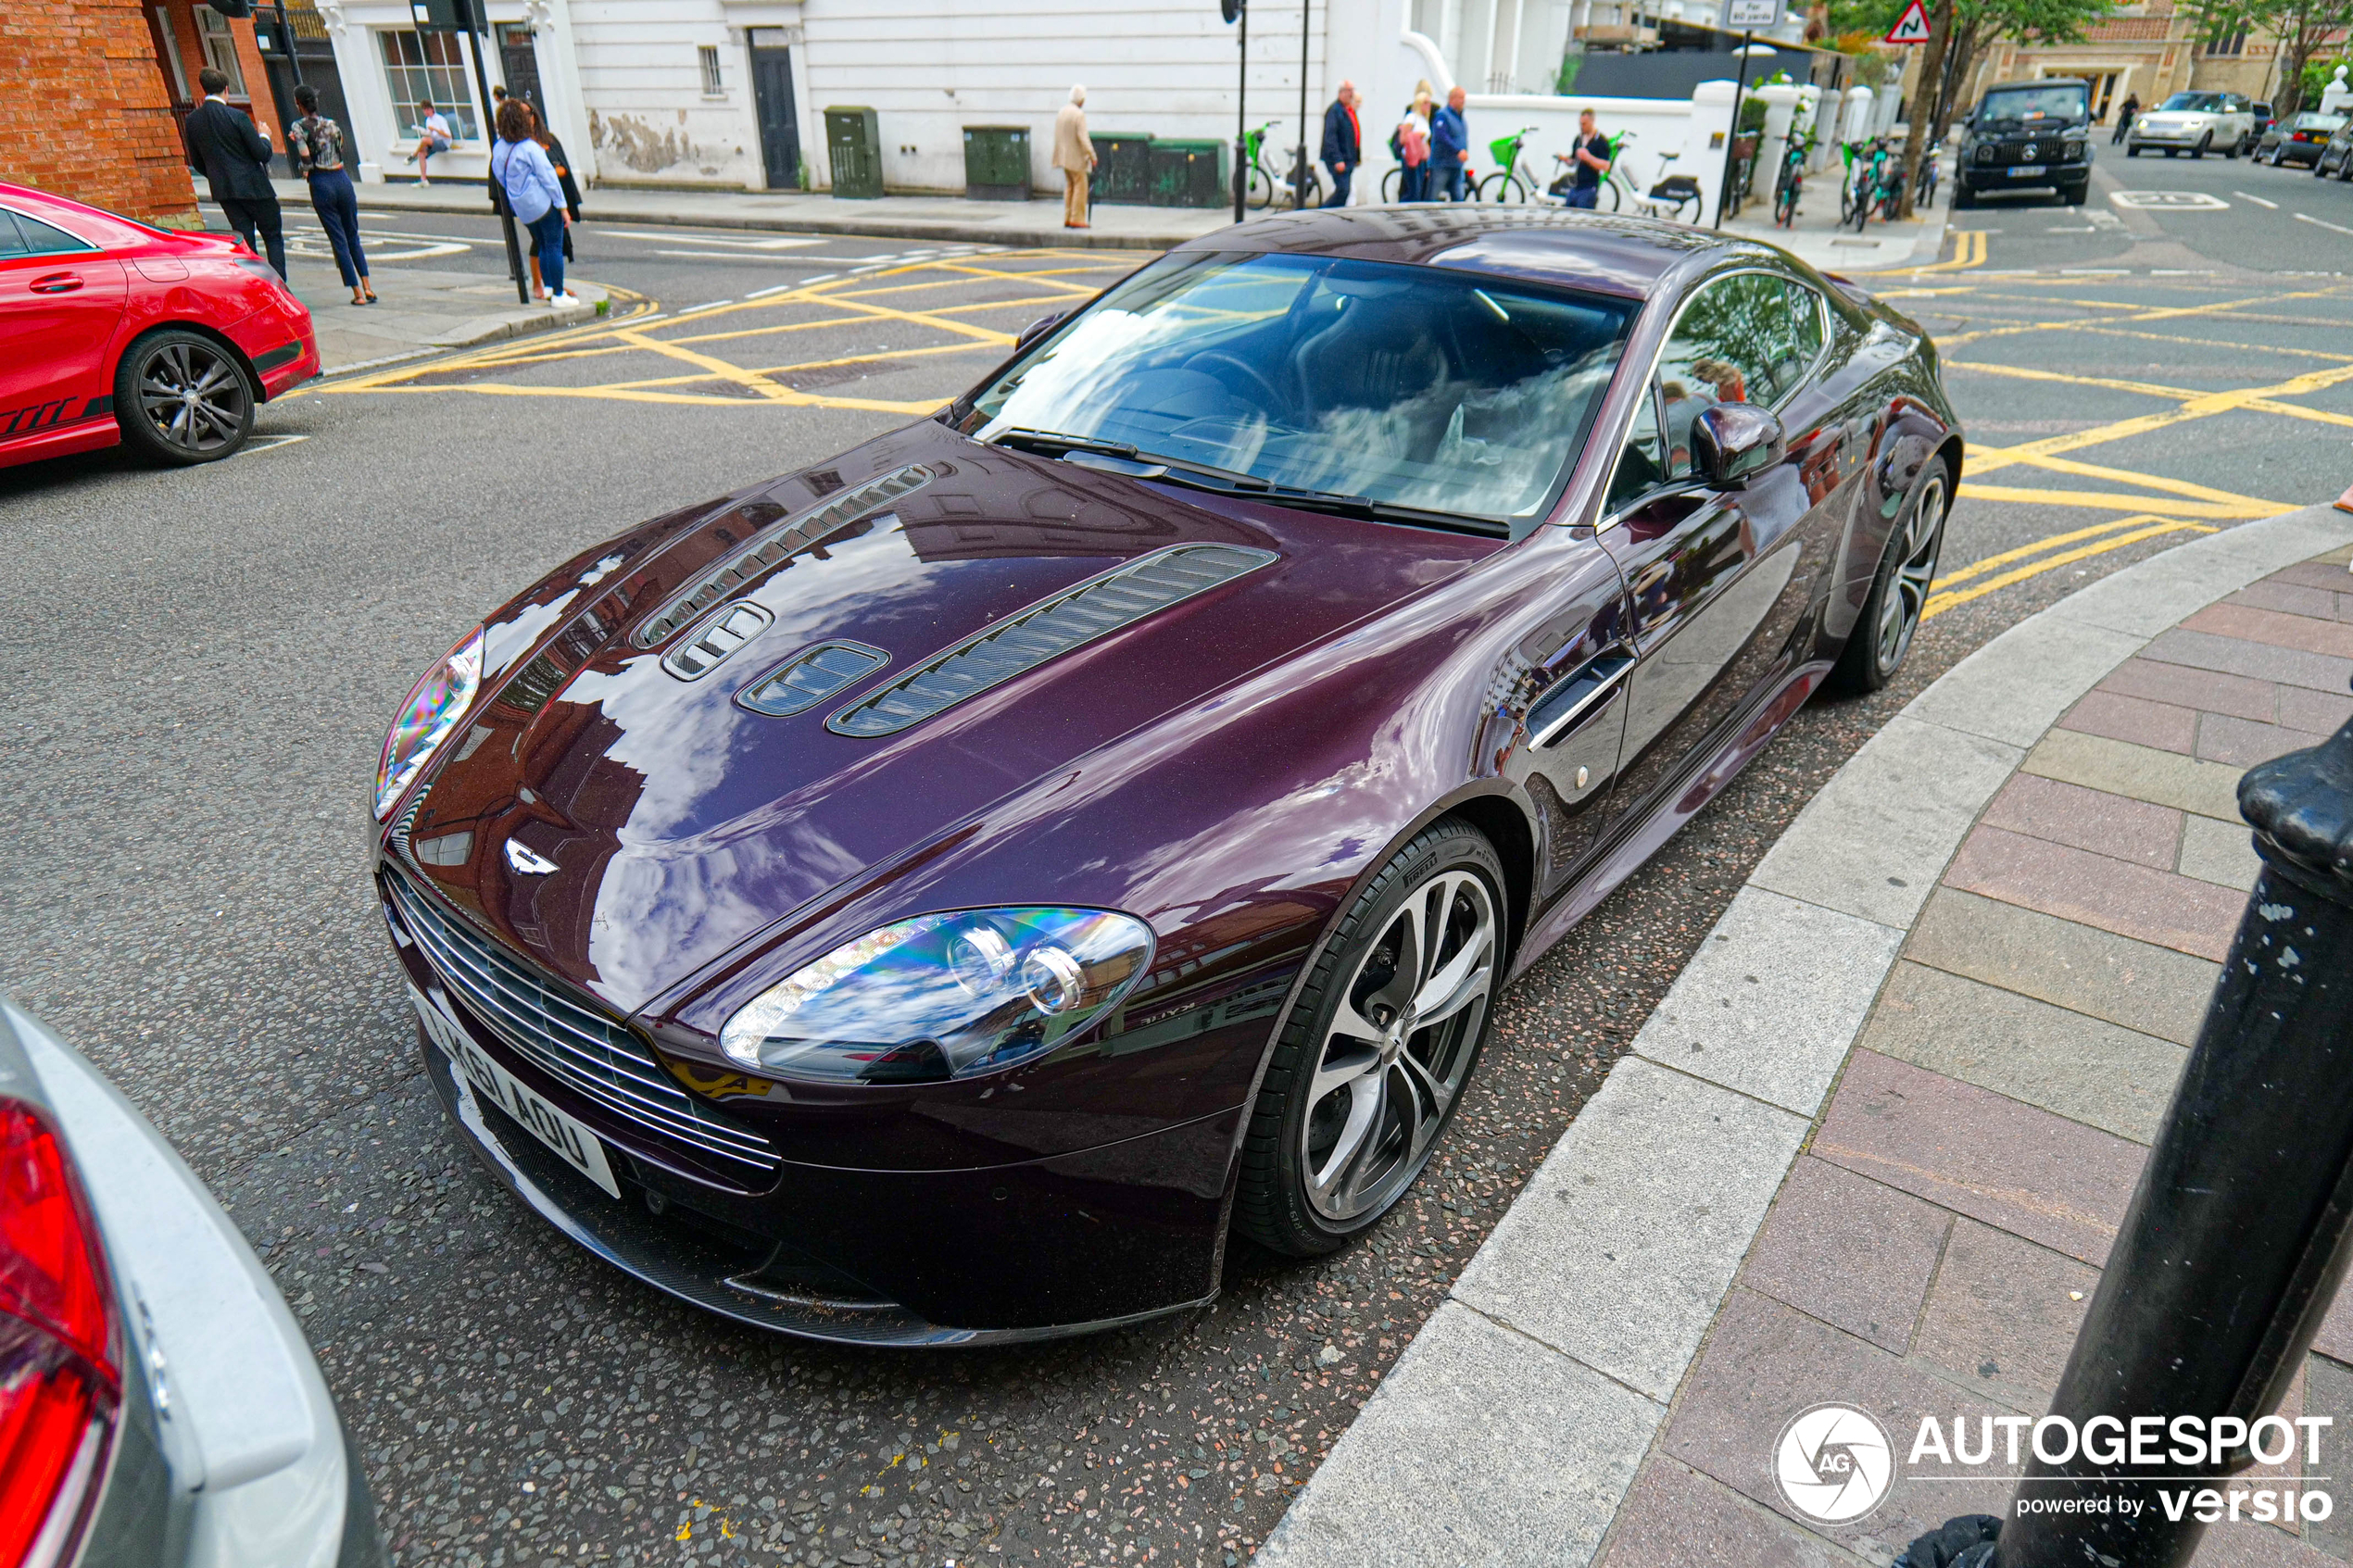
(318, 150)
(1409, 143)
(520, 168)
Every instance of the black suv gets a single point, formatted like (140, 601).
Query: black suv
(2025, 136)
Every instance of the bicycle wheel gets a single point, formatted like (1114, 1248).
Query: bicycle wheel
(1785, 207)
(1261, 188)
(1314, 195)
(1391, 183)
(1609, 197)
(1501, 188)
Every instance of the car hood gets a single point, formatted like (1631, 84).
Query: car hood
(659, 824)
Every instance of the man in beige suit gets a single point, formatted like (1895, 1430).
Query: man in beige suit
(1075, 155)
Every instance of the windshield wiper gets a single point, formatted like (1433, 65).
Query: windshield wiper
(1209, 476)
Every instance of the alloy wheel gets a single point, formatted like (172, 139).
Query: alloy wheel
(1915, 569)
(1399, 1046)
(194, 399)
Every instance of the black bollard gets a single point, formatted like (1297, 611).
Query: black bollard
(2236, 1238)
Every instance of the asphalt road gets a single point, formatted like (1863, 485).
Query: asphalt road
(197, 667)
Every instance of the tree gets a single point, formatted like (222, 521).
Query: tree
(2302, 27)
(1976, 26)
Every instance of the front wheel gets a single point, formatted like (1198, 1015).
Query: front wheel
(1261, 189)
(1963, 197)
(2131, 149)
(2075, 195)
(1891, 617)
(2204, 145)
(1611, 195)
(180, 397)
(1378, 1047)
(1391, 183)
(1503, 189)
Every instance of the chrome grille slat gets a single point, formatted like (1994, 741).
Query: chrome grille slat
(585, 1050)
(1030, 637)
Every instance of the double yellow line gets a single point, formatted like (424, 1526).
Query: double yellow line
(1945, 595)
(1968, 250)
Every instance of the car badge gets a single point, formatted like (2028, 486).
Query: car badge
(530, 862)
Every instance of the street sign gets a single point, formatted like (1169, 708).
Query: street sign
(1752, 15)
(1912, 26)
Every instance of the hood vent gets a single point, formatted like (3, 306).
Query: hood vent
(768, 548)
(1024, 641)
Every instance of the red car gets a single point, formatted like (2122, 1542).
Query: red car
(117, 332)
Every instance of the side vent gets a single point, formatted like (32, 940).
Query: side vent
(811, 676)
(726, 632)
(764, 550)
(1024, 641)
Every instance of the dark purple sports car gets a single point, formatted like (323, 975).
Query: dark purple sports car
(930, 898)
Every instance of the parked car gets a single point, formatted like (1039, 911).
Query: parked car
(117, 332)
(2264, 118)
(159, 1405)
(2336, 154)
(2300, 141)
(2027, 135)
(927, 898)
(2195, 123)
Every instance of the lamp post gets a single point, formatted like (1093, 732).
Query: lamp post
(1239, 11)
(1298, 175)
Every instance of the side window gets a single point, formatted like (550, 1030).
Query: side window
(42, 238)
(1805, 329)
(1722, 351)
(1642, 467)
(9, 243)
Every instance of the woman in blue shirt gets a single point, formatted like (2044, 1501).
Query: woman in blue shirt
(534, 195)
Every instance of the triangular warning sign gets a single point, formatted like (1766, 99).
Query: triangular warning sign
(1912, 26)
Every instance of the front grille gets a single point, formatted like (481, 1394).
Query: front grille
(1028, 638)
(571, 1039)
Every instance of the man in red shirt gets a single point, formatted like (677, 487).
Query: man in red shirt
(1343, 142)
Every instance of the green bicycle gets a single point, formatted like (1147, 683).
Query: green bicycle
(1267, 185)
(1507, 185)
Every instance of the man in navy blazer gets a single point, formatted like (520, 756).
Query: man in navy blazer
(1343, 142)
(234, 155)
(1449, 148)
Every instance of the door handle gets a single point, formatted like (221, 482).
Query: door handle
(55, 282)
(1569, 701)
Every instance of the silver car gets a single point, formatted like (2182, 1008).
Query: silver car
(158, 1405)
(2197, 123)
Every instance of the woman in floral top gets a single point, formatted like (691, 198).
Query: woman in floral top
(317, 149)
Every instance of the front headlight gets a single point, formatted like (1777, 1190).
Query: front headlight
(2074, 151)
(427, 718)
(941, 997)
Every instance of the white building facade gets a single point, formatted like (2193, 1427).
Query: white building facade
(731, 95)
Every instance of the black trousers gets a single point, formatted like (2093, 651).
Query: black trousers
(248, 215)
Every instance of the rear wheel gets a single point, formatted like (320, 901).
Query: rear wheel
(1391, 183)
(180, 397)
(1610, 194)
(1260, 189)
(1503, 188)
(1378, 1048)
(1891, 617)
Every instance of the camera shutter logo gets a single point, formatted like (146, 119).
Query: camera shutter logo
(1835, 1463)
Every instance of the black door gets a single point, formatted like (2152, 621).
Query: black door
(520, 61)
(779, 124)
(1718, 580)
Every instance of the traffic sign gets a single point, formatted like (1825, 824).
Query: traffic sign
(1752, 15)
(1912, 26)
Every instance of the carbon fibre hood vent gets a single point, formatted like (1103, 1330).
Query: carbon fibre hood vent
(1024, 641)
(771, 545)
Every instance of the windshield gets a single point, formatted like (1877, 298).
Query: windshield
(2068, 101)
(2311, 122)
(2202, 103)
(1412, 386)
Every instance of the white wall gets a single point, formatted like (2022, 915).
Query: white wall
(641, 78)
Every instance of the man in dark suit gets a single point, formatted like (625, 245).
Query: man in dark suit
(1343, 142)
(234, 155)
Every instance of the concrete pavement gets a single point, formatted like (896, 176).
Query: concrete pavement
(424, 312)
(1875, 1142)
(1818, 239)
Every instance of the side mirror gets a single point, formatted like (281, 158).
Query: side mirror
(1038, 329)
(1732, 443)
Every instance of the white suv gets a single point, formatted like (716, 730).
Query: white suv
(2195, 123)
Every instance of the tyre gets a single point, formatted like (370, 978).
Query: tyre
(1391, 183)
(1503, 189)
(1785, 207)
(1315, 193)
(2233, 151)
(1608, 199)
(1963, 197)
(2173, 152)
(181, 397)
(1378, 1048)
(1884, 633)
(1261, 189)
(2073, 195)
(2131, 149)
(2204, 145)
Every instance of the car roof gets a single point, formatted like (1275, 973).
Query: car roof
(1584, 250)
(2040, 81)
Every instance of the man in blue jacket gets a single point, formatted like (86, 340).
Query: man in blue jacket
(1343, 142)
(1450, 150)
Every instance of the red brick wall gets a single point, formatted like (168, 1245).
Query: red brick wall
(87, 113)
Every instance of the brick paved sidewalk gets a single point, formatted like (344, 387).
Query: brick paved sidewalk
(1875, 1143)
(1935, 1248)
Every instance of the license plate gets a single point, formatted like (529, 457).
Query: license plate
(2024, 169)
(572, 1142)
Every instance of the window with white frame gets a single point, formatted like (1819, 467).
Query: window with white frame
(712, 86)
(219, 46)
(168, 46)
(429, 67)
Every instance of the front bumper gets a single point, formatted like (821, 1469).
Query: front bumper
(1990, 179)
(1070, 1245)
(2212, 135)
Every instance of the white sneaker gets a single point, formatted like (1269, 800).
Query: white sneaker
(560, 300)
